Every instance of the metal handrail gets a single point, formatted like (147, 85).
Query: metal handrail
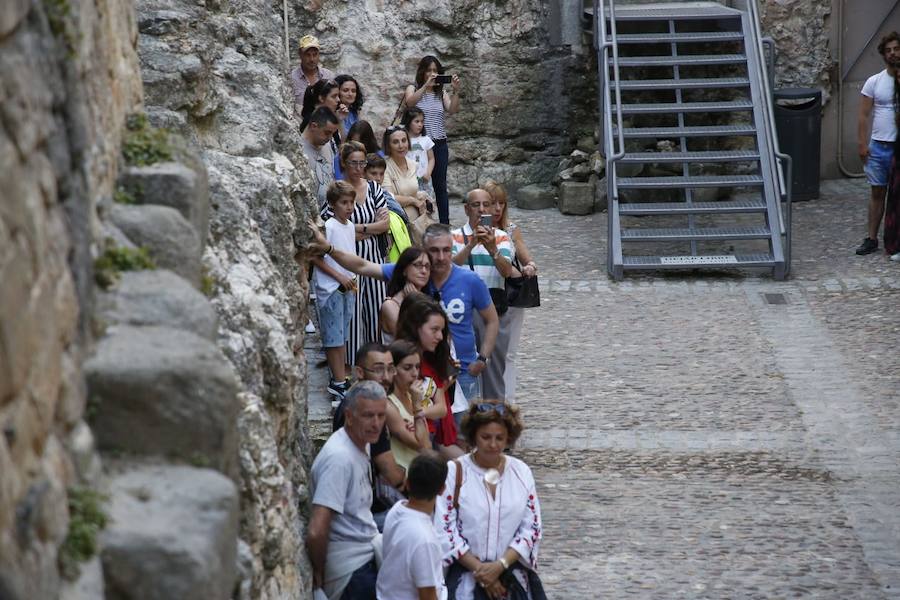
(783, 160)
(609, 150)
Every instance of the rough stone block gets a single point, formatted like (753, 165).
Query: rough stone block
(173, 534)
(535, 197)
(576, 198)
(164, 391)
(88, 585)
(168, 236)
(601, 201)
(158, 297)
(174, 185)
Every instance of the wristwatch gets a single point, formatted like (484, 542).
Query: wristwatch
(481, 358)
(365, 228)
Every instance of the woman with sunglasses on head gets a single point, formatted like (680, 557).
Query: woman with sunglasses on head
(423, 322)
(400, 174)
(370, 219)
(410, 275)
(436, 102)
(494, 495)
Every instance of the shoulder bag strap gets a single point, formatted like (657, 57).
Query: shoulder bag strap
(466, 242)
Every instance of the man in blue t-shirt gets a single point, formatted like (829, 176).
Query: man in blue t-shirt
(460, 292)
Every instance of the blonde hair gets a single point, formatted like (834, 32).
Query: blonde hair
(498, 193)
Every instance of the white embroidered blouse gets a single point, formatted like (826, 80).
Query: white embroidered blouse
(486, 525)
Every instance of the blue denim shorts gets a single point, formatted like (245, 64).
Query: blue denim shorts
(334, 318)
(878, 165)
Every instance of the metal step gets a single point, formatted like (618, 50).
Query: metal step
(684, 59)
(695, 208)
(676, 234)
(684, 107)
(660, 38)
(683, 157)
(686, 262)
(675, 132)
(690, 181)
(684, 84)
(675, 12)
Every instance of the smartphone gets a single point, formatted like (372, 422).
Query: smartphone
(443, 79)
(486, 221)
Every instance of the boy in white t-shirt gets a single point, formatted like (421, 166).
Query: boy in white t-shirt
(336, 286)
(876, 148)
(411, 568)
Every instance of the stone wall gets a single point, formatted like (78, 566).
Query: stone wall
(801, 30)
(214, 72)
(68, 77)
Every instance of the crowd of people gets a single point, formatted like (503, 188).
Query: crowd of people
(420, 339)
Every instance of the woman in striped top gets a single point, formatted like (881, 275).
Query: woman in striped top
(436, 103)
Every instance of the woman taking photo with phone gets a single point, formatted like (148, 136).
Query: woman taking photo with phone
(436, 102)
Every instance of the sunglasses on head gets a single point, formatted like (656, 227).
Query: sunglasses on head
(489, 406)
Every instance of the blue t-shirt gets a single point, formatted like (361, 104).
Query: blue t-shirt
(462, 293)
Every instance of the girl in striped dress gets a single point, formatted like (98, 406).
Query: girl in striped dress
(370, 218)
(436, 103)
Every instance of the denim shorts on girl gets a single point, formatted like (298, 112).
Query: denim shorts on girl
(334, 318)
(878, 165)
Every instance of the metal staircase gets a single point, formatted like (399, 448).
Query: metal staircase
(692, 76)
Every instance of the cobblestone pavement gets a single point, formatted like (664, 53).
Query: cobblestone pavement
(719, 435)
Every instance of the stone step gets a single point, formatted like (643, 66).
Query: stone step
(163, 391)
(173, 533)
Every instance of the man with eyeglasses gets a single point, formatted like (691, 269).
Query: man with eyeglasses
(375, 363)
(319, 149)
(461, 293)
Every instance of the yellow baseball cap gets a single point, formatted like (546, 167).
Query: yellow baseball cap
(309, 41)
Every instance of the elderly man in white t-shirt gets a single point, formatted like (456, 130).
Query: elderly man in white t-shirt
(343, 541)
(879, 106)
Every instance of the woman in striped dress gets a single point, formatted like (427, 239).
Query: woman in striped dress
(436, 103)
(370, 218)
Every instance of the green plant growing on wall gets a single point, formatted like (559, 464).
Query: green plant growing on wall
(144, 145)
(114, 260)
(123, 196)
(87, 518)
(59, 14)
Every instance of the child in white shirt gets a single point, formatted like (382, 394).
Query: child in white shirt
(420, 147)
(412, 565)
(336, 286)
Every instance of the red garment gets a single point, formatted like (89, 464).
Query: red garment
(444, 429)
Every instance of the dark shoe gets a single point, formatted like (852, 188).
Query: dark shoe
(337, 391)
(868, 246)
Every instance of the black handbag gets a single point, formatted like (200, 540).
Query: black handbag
(522, 292)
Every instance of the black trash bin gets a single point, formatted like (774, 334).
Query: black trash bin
(798, 121)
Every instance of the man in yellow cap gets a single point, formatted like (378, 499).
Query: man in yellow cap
(309, 70)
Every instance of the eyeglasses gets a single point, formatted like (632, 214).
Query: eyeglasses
(421, 265)
(395, 128)
(489, 406)
(356, 163)
(381, 370)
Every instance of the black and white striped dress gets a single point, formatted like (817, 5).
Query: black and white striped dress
(364, 326)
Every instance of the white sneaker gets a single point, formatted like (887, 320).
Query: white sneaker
(310, 328)
(895, 257)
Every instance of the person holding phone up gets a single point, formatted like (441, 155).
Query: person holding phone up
(489, 252)
(429, 95)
